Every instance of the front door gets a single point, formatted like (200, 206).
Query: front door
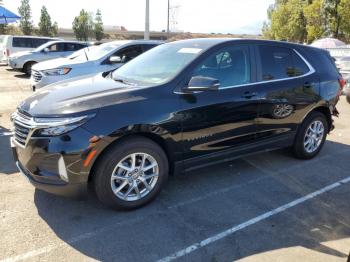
(216, 122)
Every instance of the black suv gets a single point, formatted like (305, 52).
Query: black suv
(179, 106)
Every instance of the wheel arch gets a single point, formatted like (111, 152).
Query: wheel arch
(325, 111)
(159, 140)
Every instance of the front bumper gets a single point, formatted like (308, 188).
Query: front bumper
(55, 164)
(66, 189)
(13, 63)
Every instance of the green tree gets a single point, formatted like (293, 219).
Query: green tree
(333, 18)
(344, 12)
(26, 23)
(287, 21)
(83, 26)
(316, 21)
(98, 26)
(46, 27)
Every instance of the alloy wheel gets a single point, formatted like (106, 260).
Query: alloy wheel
(314, 136)
(135, 176)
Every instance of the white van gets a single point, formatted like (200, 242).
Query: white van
(10, 44)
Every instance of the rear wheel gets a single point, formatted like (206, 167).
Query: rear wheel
(131, 174)
(311, 136)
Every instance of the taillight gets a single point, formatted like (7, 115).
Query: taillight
(342, 83)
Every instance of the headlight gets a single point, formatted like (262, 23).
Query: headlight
(58, 126)
(57, 71)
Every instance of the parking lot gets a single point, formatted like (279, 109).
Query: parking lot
(266, 207)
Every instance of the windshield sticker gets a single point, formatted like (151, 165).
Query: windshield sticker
(189, 50)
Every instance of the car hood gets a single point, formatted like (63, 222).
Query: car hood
(81, 94)
(58, 62)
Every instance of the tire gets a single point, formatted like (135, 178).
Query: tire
(27, 68)
(303, 151)
(120, 155)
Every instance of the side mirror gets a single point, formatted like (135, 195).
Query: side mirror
(202, 83)
(46, 50)
(115, 59)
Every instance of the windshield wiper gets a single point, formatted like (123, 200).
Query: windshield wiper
(87, 59)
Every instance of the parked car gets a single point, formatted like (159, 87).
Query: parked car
(178, 107)
(10, 44)
(105, 57)
(25, 60)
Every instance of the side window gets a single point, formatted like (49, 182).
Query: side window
(280, 63)
(300, 67)
(230, 65)
(59, 47)
(147, 47)
(69, 47)
(23, 42)
(129, 53)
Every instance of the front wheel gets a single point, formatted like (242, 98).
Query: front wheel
(27, 68)
(131, 174)
(311, 136)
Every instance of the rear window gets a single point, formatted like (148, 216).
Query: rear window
(26, 42)
(280, 63)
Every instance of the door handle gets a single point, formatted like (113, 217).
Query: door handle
(249, 95)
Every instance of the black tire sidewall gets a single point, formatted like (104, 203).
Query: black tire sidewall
(102, 176)
(299, 148)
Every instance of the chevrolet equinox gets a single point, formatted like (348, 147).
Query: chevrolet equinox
(178, 107)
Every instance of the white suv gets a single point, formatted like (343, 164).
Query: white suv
(25, 60)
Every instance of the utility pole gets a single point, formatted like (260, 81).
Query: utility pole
(168, 21)
(146, 35)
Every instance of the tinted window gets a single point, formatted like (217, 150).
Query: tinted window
(300, 67)
(73, 47)
(36, 42)
(231, 66)
(129, 53)
(279, 63)
(147, 47)
(22, 42)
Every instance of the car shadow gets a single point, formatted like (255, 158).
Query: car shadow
(18, 74)
(107, 235)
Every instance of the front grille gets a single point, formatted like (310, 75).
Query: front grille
(36, 75)
(23, 125)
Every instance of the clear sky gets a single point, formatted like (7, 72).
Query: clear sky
(207, 16)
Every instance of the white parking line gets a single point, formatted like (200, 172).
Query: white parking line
(252, 221)
(6, 134)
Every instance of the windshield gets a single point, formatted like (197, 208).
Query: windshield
(96, 52)
(158, 65)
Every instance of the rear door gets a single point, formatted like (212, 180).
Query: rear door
(288, 88)
(217, 122)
